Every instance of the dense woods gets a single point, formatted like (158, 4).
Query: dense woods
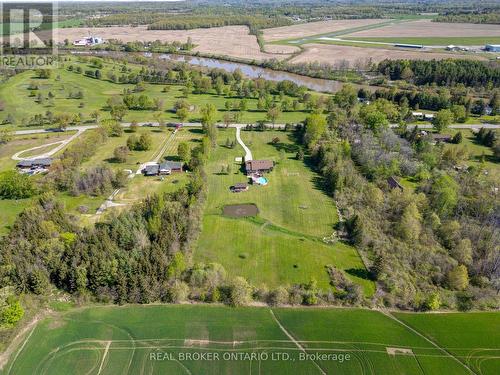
(443, 73)
(489, 18)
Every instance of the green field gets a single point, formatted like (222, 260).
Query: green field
(283, 244)
(15, 95)
(158, 339)
(471, 337)
(433, 41)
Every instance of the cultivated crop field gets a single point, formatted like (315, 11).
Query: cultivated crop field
(232, 41)
(187, 339)
(312, 28)
(284, 243)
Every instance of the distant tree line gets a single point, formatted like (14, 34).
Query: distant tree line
(448, 72)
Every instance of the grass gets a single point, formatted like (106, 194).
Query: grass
(75, 340)
(478, 154)
(14, 93)
(433, 41)
(470, 337)
(283, 245)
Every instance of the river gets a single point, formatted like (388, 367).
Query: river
(253, 71)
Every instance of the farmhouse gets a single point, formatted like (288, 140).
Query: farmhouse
(89, 41)
(170, 166)
(32, 164)
(164, 168)
(258, 166)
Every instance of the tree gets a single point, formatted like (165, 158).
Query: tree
(178, 292)
(134, 125)
(458, 279)
(118, 112)
(6, 135)
(145, 142)
(184, 152)
(121, 153)
(63, 120)
(14, 185)
(208, 118)
(409, 227)
(315, 128)
(457, 138)
(95, 116)
(442, 120)
(272, 114)
(433, 302)
(459, 113)
(183, 114)
(373, 118)
(278, 297)
(240, 292)
(11, 313)
(444, 192)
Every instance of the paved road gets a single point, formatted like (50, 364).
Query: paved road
(276, 126)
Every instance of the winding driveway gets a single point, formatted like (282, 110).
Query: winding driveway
(248, 153)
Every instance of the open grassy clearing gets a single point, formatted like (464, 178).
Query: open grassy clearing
(283, 244)
(129, 340)
(470, 337)
(18, 103)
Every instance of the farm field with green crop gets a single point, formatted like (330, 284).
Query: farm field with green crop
(284, 243)
(467, 336)
(160, 339)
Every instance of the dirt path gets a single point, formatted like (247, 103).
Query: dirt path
(19, 341)
(448, 354)
(288, 334)
(47, 154)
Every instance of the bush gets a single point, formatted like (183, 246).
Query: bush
(11, 313)
(14, 185)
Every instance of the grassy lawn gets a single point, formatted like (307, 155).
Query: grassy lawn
(16, 96)
(465, 335)
(283, 245)
(478, 154)
(124, 340)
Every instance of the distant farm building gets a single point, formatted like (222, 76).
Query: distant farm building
(258, 166)
(492, 47)
(404, 45)
(88, 42)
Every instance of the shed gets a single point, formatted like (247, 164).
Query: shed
(394, 184)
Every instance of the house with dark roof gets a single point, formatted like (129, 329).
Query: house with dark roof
(441, 138)
(258, 166)
(164, 168)
(169, 166)
(35, 163)
(394, 184)
(151, 170)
